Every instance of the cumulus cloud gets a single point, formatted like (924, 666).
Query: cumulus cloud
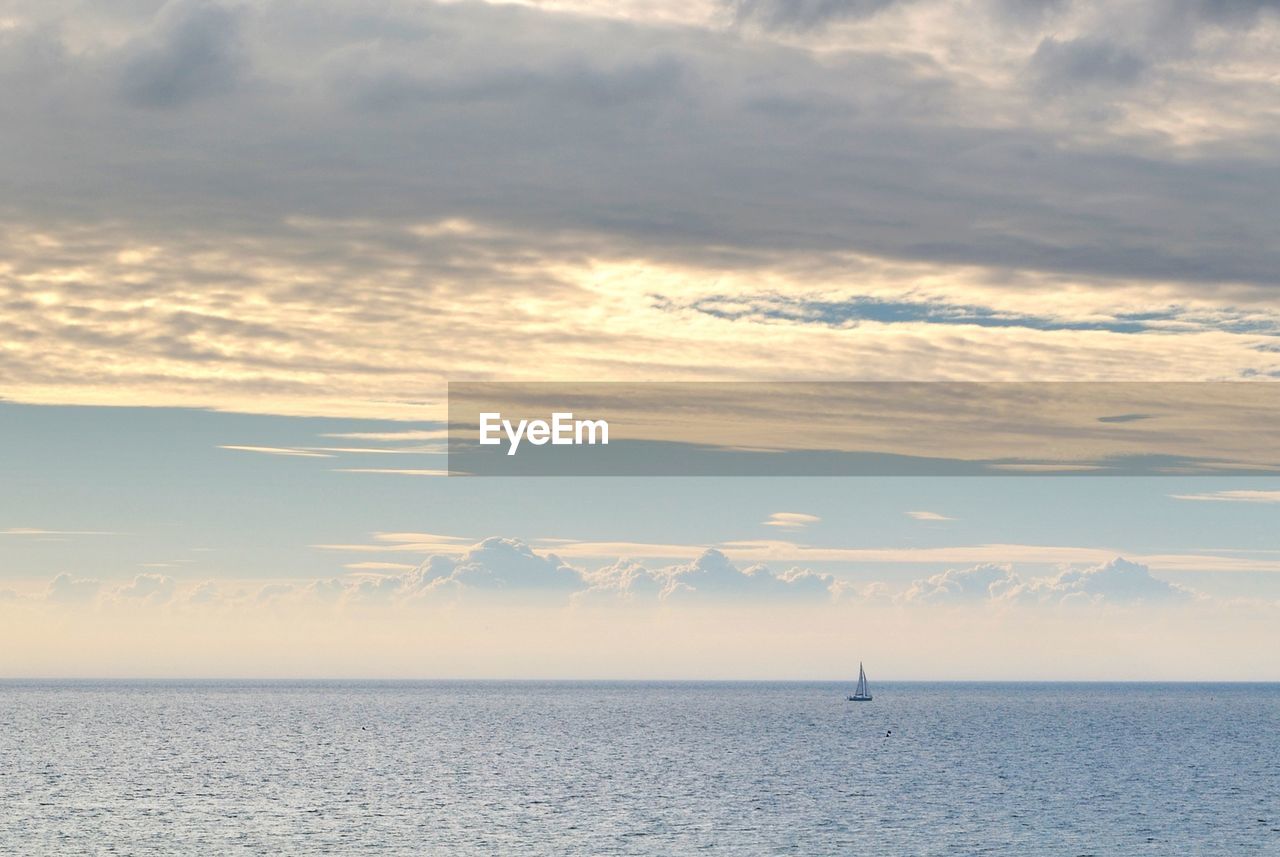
(499, 566)
(492, 566)
(979, 583)
(68, 589)
(711, 577)
(629, 580)
(206, 592)
(273, 592)
(498, 563)
(150, 587)
(1118, 581)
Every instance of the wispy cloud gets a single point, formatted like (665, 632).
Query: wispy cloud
(392, 436)
(791, 520)
(379, 566)
(376, 450)
(30, 531)
(277, 450)
(1234, 496)
(394, 471)
(791, 553)
(929, 516)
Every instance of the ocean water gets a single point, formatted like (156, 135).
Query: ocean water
(207, 768)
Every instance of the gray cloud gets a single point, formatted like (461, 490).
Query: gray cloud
(802, 15)
(1066, 66)
(367, 80)
(191, 50)
(653, 137)
(211, 202)
(1232, 13)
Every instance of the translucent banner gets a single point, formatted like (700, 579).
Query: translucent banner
(863, 429)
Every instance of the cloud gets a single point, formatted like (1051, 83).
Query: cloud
(505, 567)
(929, 516)
(276, 450)
(853, 310)
(709, 575)
(186, 254)
(191, 51)
(1237, 14)
(1125, 418)
(30, 531)
(406, 435)
(275, 592)
(379, 566)
(391, 471)
(791, 520)
(712, 577)
(150, 587)
(68, 589)
(206, 592)
(628, 580)
(1068, 66)
(802, 15)
(1243, 495)
(1117, 581)
(492, 565)
(498, 563)
(977, 584)
(792, 553)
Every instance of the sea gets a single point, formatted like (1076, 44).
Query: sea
(637, 768)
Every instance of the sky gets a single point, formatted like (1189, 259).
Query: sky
(244, 246)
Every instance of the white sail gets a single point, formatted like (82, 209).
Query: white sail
(861, 693)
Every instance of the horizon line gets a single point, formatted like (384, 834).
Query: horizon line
(562, 680)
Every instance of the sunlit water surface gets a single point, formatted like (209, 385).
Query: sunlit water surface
(661, 769)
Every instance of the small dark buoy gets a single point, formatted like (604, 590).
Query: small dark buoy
(887, 734)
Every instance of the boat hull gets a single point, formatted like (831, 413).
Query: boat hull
(866, 698)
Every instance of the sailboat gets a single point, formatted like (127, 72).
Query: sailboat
(860, 693)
